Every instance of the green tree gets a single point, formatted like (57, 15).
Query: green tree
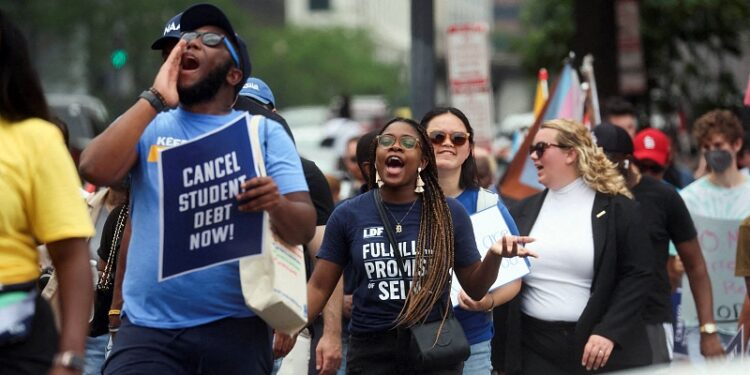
(687, 46)
(309, 66)
(302, 66)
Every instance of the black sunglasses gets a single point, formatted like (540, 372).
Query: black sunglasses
(408, 142)
(649, 167)
(437, 137)
(540, 147)
(212, 39)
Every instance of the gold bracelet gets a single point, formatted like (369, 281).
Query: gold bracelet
(114, 312)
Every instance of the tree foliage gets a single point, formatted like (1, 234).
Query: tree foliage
(688, 46)
(310, 66)
(302, 66)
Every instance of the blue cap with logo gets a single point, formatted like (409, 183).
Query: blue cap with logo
(258, 90)
(171, 33)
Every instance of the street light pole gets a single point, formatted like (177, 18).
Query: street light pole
(422, 57)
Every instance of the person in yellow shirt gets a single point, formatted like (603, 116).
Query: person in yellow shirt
(40, 203)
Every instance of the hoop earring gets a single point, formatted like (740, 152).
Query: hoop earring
(378, 181)
(420, 184)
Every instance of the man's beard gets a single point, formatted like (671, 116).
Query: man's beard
(205, 89)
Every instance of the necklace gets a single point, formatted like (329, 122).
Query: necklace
(399, 228)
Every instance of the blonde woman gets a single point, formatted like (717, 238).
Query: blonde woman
(581, 304)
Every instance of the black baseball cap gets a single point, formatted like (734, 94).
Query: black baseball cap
(206, 14)
(171, 33)
(613, 139)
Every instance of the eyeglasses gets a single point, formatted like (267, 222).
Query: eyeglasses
(540, 147)
(212, 39)
(437, 137)
(408, 142)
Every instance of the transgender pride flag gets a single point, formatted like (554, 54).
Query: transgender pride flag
(567, 101)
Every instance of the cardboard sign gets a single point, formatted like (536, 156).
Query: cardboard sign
(200, 224)
(490, 226)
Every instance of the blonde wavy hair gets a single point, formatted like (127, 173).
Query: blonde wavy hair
(596, 170)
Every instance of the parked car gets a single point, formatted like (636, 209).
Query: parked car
(85, 116)
(306, 123)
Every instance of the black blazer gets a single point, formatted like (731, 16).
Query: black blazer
(622, 271)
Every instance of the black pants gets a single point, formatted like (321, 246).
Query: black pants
(386, 353)
(549, 348)
(33, 355)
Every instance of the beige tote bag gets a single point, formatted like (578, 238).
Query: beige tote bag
(274, 282)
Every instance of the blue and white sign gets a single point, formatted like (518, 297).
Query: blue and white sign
(201, 225)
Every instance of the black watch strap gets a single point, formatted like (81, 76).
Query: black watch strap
(154, 98)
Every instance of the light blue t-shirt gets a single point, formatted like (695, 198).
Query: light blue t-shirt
(203, 296)
(477, 325)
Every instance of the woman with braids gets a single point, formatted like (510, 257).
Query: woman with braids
(453, 140)
(434, 235)
(581, 304)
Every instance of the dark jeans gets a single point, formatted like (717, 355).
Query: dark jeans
(227, 346)
(386, 353)
(33, 355)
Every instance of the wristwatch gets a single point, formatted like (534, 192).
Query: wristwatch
(69, 360)
(709, 328)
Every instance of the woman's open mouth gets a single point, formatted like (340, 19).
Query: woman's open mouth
(394, 165)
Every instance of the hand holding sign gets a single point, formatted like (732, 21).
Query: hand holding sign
(166, 80)
(490, 230)
(508, 247)
(259, 194)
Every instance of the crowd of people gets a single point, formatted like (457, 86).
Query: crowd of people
(608, 238)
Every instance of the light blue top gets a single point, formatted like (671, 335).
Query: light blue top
(477, 325)
(203, 296)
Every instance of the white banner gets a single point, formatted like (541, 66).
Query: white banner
(718, 240)
(489, 226)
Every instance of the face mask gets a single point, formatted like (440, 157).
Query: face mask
(718, 160)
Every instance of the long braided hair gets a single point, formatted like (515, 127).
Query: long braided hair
(435, 241)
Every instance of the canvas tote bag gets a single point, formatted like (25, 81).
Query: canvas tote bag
(274, 282)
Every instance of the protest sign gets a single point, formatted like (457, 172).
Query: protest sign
(200, 224)
(718, 241)
(490, 226)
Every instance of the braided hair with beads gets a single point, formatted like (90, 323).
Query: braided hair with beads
(435, 241)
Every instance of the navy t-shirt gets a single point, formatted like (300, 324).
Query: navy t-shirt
(355, 234)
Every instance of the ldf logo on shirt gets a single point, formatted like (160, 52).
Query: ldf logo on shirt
(372, 232)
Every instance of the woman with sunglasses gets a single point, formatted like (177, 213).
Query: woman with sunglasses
(452, 138)
(434, 235)
(581, 304)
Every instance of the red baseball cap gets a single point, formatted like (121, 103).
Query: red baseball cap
(652, 144)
